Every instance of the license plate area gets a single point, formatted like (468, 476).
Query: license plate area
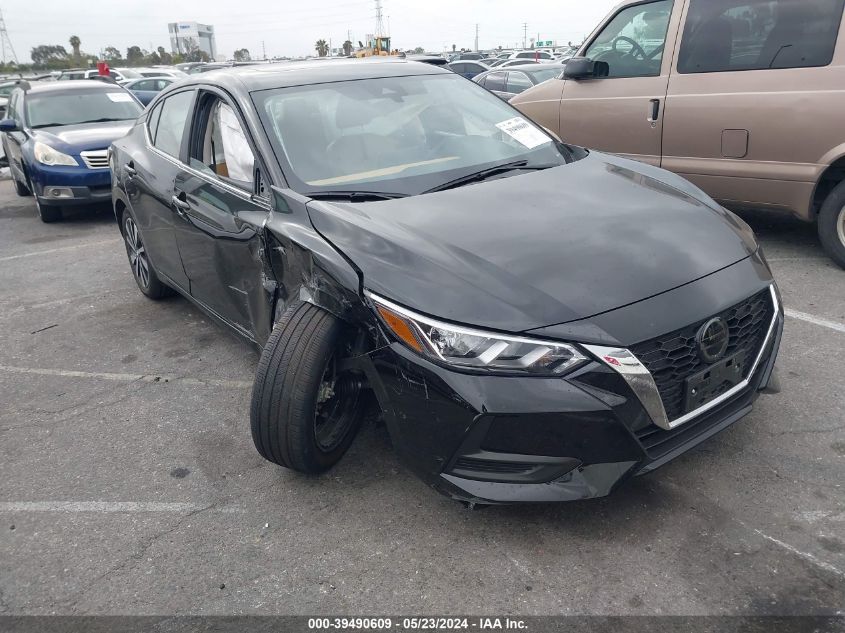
(711, 383)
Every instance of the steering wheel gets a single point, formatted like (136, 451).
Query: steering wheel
(637, 49)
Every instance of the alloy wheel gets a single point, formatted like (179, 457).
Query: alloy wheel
(136, 252)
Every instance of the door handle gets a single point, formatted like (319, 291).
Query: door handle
(129, 168)
(653, 110)
(180, 203)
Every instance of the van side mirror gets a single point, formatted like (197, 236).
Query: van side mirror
(9, 125)
(585, 68)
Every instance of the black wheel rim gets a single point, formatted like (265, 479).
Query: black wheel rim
(337, 407)
(136, 252)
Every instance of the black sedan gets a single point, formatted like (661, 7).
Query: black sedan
(535, 322)
(513, 80)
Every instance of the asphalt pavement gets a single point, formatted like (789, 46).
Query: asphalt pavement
(129, 483)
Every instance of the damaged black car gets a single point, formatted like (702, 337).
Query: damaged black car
(535, 321)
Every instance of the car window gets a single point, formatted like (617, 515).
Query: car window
(633, 42)
(143, 85)
(152, 121)
(160, 84)
(73, 107)
(495, 81)
(406, 134)
(224, 150)
(171, 124)
(518, 82)
(731, 35)
(458, 68)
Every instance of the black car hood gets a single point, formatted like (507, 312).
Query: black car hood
(541, 248)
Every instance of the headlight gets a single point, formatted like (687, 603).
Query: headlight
(476, 349)
(48, 156)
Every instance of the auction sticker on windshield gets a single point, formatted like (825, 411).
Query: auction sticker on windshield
(523, 132)
(117, 97)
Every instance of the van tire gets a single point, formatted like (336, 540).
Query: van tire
(831, 225)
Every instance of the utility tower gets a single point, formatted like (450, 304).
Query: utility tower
(476, 38)
(379, 20)
(525, 35)
(8, 51)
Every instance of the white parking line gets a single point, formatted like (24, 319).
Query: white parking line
(61, 249)
(809, 318)
(205, 382)
(805, 555)
(97, 506)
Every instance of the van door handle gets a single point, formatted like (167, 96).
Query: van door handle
(653, 110)
(129, 168)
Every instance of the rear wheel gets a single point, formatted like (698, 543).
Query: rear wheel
(832, 225)
(143, 271)
(306, 408)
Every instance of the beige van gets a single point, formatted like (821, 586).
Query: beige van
(745, 98)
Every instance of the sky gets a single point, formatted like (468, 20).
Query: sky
(288, 28)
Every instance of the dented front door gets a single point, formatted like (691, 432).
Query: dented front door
(220, 243)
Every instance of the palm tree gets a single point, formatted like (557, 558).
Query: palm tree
(347, 48)
(75, 42)
(322, 48)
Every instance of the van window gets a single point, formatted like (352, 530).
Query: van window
(732, 35)
(633, 42)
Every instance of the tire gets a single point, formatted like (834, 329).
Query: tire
(831, 225)
(48, 213)
(142, 268)
(289, 399)
(21, 189)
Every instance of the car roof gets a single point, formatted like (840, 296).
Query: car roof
(70, 86)
(303, 73)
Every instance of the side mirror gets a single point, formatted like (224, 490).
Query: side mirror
(9, 125)
(585, 68)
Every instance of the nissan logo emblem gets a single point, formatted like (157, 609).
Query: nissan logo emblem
(712, 340)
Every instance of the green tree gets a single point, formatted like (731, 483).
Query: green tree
(347, 48)
(164, 56)
(322, 47)
(134, 56)
(50, 56)
(75, 43)
(111, 54)
(241, 55)
(419, 50)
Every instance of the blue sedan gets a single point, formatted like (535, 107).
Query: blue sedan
(146, 88)
(57, 136)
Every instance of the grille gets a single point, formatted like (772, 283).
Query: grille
(489, 466)
(672, 358)
(96, 159)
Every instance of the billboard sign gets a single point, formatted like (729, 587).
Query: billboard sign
(187, 29)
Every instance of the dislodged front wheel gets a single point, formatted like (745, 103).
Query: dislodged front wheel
(306, 407)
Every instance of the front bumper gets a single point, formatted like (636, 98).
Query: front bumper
(495, 439)
(60, 185)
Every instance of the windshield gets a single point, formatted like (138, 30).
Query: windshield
(402, 135)
(80, 106)
(129, 73)
(544, 75)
